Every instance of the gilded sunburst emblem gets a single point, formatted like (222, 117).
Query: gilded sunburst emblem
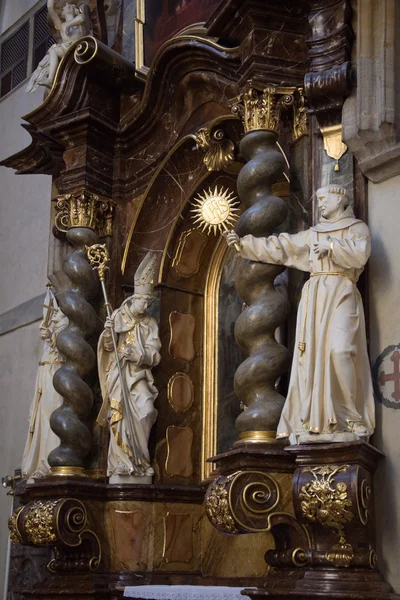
(216, 210)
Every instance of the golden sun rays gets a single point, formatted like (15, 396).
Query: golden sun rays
(215, 210)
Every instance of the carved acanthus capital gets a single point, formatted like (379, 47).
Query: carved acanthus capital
(86, 210)
(261, 109)
(218, 148)
(61, 524)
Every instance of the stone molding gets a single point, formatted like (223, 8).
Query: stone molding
(370, 120)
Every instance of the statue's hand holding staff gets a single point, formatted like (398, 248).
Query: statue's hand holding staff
(231, 237)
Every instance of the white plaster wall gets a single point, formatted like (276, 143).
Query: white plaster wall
(19, 356)
(25, 220)
(384, 218)
(24, 210)
(12, 10)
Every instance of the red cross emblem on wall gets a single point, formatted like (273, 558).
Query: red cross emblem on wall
(387, 377)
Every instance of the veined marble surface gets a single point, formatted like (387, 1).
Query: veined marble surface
(183, 592)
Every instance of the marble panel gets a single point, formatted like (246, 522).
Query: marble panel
(179, 458)
(239, 555)
(178, 538)
(180, 392)
(177, 530)
(189, 252)
(181, 344)
(129, 527)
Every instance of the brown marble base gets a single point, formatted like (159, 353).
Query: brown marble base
(325, 584)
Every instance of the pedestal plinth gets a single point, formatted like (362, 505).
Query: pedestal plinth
(317, 502)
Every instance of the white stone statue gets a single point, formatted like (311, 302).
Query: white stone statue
(41, 439)
(330, 397)
(68, 23)
(139, 346)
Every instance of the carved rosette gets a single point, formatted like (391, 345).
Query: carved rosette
(79, 213)
(335, 500)
(61, 524)
(266, 308)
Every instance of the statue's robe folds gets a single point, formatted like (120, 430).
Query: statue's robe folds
(330, 395)
(142, 334)
(41, 440)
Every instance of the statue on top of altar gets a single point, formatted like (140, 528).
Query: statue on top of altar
(68, 23)
(330, 397)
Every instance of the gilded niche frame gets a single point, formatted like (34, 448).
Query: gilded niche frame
(211, 356)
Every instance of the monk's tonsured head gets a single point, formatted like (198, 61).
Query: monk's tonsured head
(332, 201)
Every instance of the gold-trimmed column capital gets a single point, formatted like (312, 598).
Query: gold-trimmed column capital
(84, 209)
(262, 109)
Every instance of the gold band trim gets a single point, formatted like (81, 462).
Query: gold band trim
(336, 273)
(68, 471)
(256, 437)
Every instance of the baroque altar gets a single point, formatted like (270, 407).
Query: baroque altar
(174, 466)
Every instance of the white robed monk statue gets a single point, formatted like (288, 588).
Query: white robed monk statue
(330, 397)
(41, 440)
(139, 351)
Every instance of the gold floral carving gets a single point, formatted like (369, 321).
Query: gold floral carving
(218, 508)
(261, 109)
(219, 149)
(39, 523)
(80, 210)
(15, 535)
(325, 502)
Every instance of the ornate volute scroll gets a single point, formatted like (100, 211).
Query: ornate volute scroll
(79, 214)
(266, 309)
(251, 502)
(218, 148)
(62, 525)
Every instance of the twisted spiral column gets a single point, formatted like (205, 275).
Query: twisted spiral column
(266, 308)
(71, 380)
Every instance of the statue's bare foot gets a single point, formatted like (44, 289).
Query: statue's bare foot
(361, 431)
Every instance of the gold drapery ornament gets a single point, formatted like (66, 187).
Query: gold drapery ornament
(333, 144)
(219, 149)
(81, 209)
(300, 116)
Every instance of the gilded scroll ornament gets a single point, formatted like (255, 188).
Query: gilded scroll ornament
(219, 150)
(39, 524)
(325, 501)
(218, 508)
(15, 535)
(60, 524)
(79, 210)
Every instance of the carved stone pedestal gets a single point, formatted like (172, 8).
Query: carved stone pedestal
(317, 502)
